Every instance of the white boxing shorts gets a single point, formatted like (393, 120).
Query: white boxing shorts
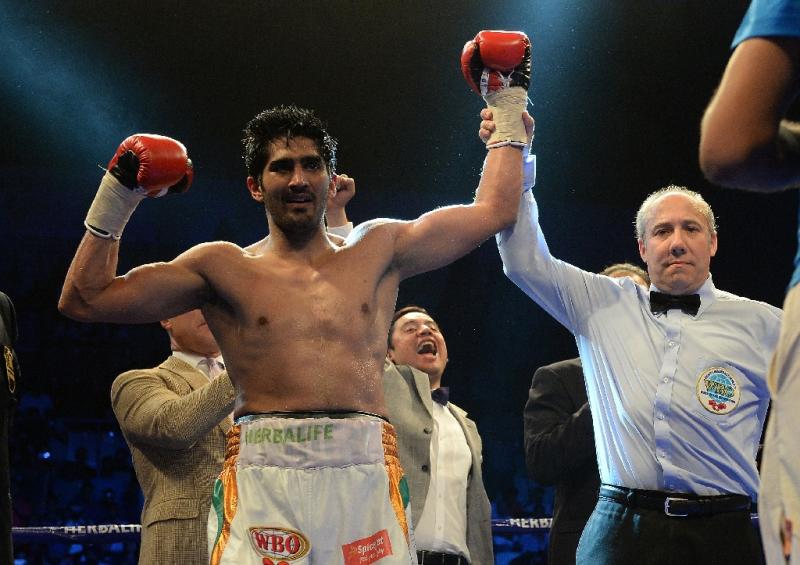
(311, 488)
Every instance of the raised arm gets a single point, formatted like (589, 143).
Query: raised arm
(496, 64)
(144, 166)
(93, 293)
(336, 212)
(745, 142)
(440, 237)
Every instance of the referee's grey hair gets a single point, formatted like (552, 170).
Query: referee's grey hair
(646, 209)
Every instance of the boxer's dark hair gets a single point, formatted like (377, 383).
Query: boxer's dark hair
(287, 122)
(399, 314)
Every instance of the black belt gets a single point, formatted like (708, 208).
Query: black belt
(425, 557)
(677, 504)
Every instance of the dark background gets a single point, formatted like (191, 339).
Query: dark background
(618, 91)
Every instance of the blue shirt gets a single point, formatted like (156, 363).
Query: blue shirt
(769, 18)
(678, 402)
(773, 18)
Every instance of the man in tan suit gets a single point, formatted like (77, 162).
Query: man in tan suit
(174, 418)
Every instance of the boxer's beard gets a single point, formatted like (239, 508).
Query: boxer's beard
(291, 223)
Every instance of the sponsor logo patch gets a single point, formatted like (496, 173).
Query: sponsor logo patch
(289, 434)
(717, 390)
(367, 550)
(280, 544)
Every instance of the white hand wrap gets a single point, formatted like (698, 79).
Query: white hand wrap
(507, 106)
(111, 208)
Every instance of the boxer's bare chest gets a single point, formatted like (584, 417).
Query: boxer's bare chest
(269, 298)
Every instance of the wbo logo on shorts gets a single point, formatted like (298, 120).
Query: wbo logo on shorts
(717, 390)
(282, 544)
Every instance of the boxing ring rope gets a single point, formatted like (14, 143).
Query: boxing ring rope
(111, 533)
(94, 533)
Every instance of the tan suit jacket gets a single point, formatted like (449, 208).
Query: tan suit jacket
(174, 421)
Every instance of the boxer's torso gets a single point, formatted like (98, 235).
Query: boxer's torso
(304, 332)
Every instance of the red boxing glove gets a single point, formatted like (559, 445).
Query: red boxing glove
(152, 164)
(497, 65)
(144, 165)
(497, 59)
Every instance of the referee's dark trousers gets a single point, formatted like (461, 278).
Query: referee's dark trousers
(654, 528)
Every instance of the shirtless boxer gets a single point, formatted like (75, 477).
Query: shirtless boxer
(301, 322)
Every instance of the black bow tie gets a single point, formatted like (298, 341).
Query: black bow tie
(441, 395)
(660, 302)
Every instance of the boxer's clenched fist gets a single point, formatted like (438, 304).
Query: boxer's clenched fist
(144, 165)
(497, 65)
